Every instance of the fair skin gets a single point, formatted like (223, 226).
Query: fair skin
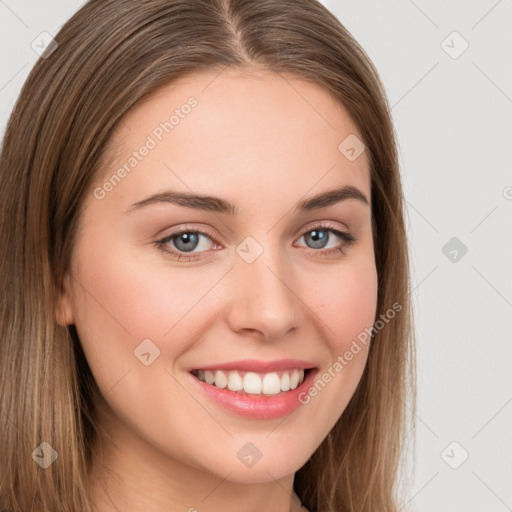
(264, 146)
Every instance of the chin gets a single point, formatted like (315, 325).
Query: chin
(260, 468)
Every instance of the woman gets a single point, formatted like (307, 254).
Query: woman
(204, 249)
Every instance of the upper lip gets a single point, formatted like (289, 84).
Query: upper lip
(259, 366)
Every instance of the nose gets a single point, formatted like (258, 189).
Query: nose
(261, 296)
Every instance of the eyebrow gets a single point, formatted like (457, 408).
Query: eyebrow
(218, 205)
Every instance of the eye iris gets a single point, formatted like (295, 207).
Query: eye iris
(190, 239)
(319, 238)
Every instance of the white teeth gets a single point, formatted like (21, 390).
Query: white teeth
(235, 382)
(285, 382)
(253, 383)
(209, 377)
(294, 379)
(221, 380)
(271, 384)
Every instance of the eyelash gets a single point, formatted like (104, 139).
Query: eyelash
(348, 240)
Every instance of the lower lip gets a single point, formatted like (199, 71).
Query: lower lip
(258, 406)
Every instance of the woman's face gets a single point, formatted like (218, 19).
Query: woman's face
(267, 282)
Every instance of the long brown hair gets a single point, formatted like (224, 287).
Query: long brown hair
(110, 55)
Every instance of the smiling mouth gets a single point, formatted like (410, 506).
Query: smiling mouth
(252, 383)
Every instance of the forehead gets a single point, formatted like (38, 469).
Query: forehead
(239, 128)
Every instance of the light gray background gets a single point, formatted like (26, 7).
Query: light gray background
(453, 121)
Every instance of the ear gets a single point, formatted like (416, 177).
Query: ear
(64, 309)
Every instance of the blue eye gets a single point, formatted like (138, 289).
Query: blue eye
(188, 240)
(320, 236)
(182, 245)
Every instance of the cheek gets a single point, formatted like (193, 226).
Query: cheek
(346, 303)
(344, 311)
(125, 298)
(133, 294)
